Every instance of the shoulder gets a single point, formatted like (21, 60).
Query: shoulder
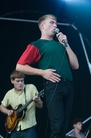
(32, 87)
(10, 92)
(36, 43)
(72, 133)
(82, 134)
(31, 90)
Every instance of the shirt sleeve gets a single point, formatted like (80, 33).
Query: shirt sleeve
(30, 56)
(5, 101)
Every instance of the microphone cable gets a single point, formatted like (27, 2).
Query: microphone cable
(53, 94)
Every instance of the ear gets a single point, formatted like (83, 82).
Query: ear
(74, 125)
(42, 25)
(12, 81)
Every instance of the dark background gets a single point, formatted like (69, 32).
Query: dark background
(16, 34)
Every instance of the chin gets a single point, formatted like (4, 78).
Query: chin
(52, 34)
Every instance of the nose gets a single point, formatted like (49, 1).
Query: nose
(20, 82)
(55, 24)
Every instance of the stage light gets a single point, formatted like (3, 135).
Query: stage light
(75, 1)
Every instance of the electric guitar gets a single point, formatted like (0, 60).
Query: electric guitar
(18, 114)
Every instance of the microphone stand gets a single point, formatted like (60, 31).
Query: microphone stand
(87, 131)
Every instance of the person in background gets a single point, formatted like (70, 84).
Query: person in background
(55, 60)
(77, 125)
(20, 95)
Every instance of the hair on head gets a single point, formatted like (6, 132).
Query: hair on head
(17, 74)
(76, 120)
(44, 17)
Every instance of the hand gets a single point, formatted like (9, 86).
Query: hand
(62, 39)
(10, 112)
(50, 75)
(36, 98)
(38, 101)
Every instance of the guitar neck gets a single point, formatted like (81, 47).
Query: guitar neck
(30, 101)
(24, 106)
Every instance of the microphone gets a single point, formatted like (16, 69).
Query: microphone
(57, 30)
(63, 41)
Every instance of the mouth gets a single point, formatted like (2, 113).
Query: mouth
(54, 31)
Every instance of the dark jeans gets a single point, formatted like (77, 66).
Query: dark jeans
(59, 100)
(28, 133)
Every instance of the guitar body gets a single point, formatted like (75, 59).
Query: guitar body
(12, 121)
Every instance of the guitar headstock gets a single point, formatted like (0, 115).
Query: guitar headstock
(41, 93)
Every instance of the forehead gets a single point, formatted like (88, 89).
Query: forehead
(79, 123)
(19, 79)
(51, 19)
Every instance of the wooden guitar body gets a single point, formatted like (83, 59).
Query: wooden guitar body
(12, 121)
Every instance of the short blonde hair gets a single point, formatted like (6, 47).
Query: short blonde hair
(44, 17)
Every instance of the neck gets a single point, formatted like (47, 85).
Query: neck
(18, 90)
(77, 132)
(46, 37)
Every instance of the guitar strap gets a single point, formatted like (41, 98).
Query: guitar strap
(25, 97)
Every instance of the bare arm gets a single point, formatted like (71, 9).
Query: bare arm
(71, 55)
(72, 58)
(38, 101)
(48, 74)
(5, 110)
(29, 70)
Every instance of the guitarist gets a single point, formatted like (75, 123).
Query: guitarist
(25, 121)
